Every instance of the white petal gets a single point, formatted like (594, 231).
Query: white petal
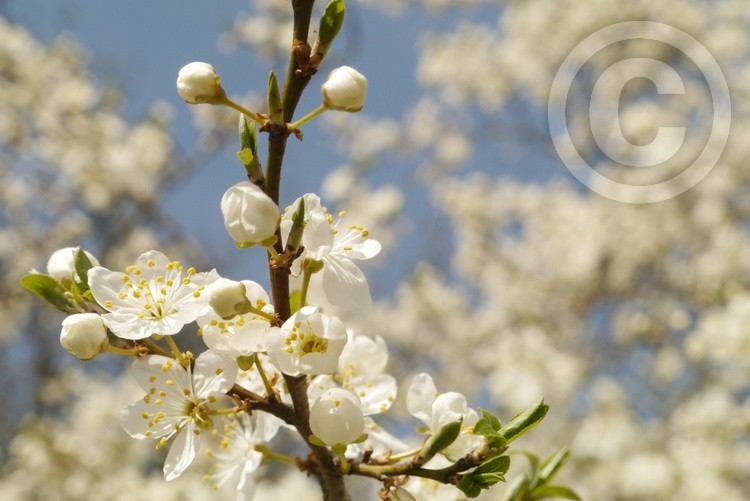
(376, 392)
(363, 355)
(213, 374)
(133, 421)
(156, 369)
(182, 452)
(318, 386)
(420, 396)
(344, 283)
(448, 408)
(282, 360)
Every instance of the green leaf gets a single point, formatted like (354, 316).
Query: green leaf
(248, 153)
(469, 486)
(499, 464)
(298, 226)
(82, 265)
(245, 156)
(552, 465)
(445, 436)
(555, 492)
(494, 421)
(48, 289)
(517, 489)
(245, 363)
(294, 301)
(488, 425)
(330, 25)
(524, 421)
(274, 100)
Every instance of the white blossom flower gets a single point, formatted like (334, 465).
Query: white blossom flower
(178, 403)
(153, 296)
(241, 335)
(309, 342)
(345, 90)
(439, 409)
(336, 417)
(336, 246)
(199, 82)
(61, 264)
(360, 370)
(250, 216)
(84, 335)
(236, 458)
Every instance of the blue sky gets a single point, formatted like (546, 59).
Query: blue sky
(140, 45)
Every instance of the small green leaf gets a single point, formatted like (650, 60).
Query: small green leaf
(248, 153)
(469, 487)
(330, 25)
(245, 363)
(82, 265)
(555, 492)
(497, 443)
(445, 436)
(298, 227)
(494, 421)
(245, 156)
(316, 441)
(552, 465)
(517, 489)
(294, 301)
(48, 289)
(524, 421)
(274, 100)
(499, 464)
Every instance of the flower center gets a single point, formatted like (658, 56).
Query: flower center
(301, 342)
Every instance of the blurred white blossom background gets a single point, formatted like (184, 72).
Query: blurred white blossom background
(501, 274)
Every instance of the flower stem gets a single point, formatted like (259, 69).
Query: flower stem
(238, 107)
(305, 286)
(275, 455)
(403, 455)
(302, 121)
(175, 350)
(123, 351)
(269, 388)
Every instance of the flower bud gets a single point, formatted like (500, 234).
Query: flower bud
(337, 417)
(250, 216)
(345, 90)
(199, 83)
(226, 297)
(84, 335)
(61, 265)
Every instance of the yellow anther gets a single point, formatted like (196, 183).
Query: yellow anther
(152, 379)
(169, 382)
(151, 263)
(107, 304)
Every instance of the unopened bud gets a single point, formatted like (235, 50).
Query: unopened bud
(250, 216)
(337, 418)
(226, 297)
(199, 83)
(345, 90)
(61, 265)
(84, 335)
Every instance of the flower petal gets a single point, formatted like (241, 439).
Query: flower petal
(182, 452)
(213, 374)
(421, 395)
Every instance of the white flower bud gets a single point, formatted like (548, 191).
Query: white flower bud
(84, 335)
(199, 83)
(345, 90)
(226, 297)
(337, 417)
(61, 265)
(250, 216)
